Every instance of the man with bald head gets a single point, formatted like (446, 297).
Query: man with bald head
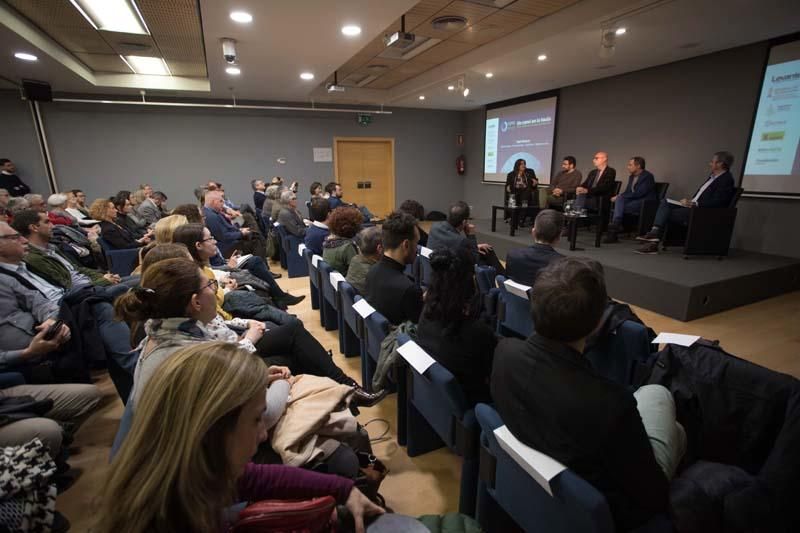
(229, 237)
(599, 184)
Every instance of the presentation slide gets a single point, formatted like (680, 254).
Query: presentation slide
(773, 160)
(520, 131)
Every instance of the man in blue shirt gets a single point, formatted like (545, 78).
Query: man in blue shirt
(641, 187)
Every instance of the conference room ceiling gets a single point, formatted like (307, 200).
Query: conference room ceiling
(285, 38)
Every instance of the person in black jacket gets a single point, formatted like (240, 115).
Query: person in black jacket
(523, 264)
(627, 445)
(115, 235)
(9, 179)
(389, 290)
(716, 191)
(416, 210)
(449, 328)
(522, 183)
(598, 185)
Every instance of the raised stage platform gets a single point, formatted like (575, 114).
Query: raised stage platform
(668, 284)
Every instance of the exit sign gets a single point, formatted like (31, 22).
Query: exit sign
(364, 119)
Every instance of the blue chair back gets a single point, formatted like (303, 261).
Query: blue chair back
(485, 278)
(617, 356)
(575, 506)
(513, 313)
(295, 264)
(351, 326)
(425, 272)
(329, 300)
(120, 262)
(282, 255)
(376, 327)
(313, 281)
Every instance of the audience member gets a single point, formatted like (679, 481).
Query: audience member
(147, 189)
(523, 264)
(338, 248)
(35, 202)
(370, 251)
(388, 289)
(5, 215)
(165, 227)
(335, 194)
(627, 445)
(599, 184)
(289, 217)
(4, 197)
(415, 209)
(80, 201)
(80, 215)
(641, 187)
(450, 329)
(9, 179)
(201, 417)
(57, 210)
(137, 197)
(272, 204)
(318, 230)
(229, 237)
(16, 204)
(115, 235)
(521, 183)
(458, 231)
(127, 216)
(150, 208)
(316, 190)
(259, 192)
(563, 185)
(193, 214)
(716, 191)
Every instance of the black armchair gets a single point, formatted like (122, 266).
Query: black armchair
(642, 222)
(708, 231)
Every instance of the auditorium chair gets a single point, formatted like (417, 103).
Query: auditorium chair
(509, 498)
(351, 325)
(513, 312)
(642, 222)
(328, 299)
(290, 258)
(313, 279)
(621, 353)
(120, 262)
(708, 231)
(376, 327)
(423, 271)
(438, 414)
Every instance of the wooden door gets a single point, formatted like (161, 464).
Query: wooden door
(365, 170)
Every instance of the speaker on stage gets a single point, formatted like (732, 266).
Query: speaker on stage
(37, 91)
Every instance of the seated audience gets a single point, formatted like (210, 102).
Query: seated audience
(563, 185)
(5, 214)
(716, 191)
(335, 194)
(113, 233)
(80, 204)
(178, 304)
(627, 445)
(272, 203)
(229, 237)
(9, 179)
(450, 329)
(193, 214)
(151, 207)
(370, 251)
(36, 202)
(259, 192)
(599, 184)
(458, 231)
(338, 248)
(15, 205)
(523, 264)
(316, 190)
(165, 227)
(147, 189)
(388, 289)
(415, 209)
(4, 197)
(81, 216)
(127, 217)
(57, 210)
(289, 217)
(641, 187)
(318, 230)
(201, 416)
(137, 197)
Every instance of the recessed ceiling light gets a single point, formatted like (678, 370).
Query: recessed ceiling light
(451, 88)
(147, 65)
(541, 57)
(489, 75)
(25, 57)
(466, 92)
(620, 31)
(351, 30)
(233, 71)
(112, 15)
(306, 76)
(241, 17)
(422, 97)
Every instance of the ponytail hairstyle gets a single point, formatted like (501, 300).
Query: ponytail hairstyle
(165, 291)
(450, 297)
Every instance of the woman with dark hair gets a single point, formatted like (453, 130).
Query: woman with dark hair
(338, 248)
(126, 215)
(522, 183)
(192, 212)
(415, 209)
(449, 327)
(316, 190)
(116, 235)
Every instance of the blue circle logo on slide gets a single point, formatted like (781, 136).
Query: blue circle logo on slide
(531, 161)
(504, 126)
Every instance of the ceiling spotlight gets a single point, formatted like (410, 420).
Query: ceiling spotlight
(620, 31)
(351, 30)
(241, 17)
(541, 57)
(466, 92)
(489, 75)
(233, 71)
(451, 88)
(422, 97)
(608, 41)
(306, 76)
(25, 57)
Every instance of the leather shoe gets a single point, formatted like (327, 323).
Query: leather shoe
(362, 398)
(275, 275)
(289, 300)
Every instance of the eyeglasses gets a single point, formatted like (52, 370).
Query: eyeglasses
(209, 239)
(213, 284)
(12, 237)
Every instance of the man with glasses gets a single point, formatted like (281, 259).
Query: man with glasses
(599, 184)
(458, 230)
(289, 217)
(229, 237)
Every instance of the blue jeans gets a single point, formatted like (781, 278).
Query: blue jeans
(670, 213)
(116, 336)
(624, 207)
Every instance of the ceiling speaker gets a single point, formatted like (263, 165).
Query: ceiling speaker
(37, 91)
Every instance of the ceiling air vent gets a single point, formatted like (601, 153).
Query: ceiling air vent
(449, 23)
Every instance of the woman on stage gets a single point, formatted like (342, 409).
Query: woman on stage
(522, 183)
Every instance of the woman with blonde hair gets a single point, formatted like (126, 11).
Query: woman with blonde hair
(113, 233)
(165, 227)
(188, 454)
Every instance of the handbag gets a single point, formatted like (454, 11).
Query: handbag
(371, 475)
(317, 515)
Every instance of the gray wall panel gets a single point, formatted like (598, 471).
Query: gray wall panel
(18, 141)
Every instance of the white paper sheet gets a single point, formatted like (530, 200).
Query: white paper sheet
(425, 251)
(276, 224)
(315, 259)
(336, 277)
(517, 288)
(674, 202)
(300, 249)
(242, 260)
(416, 356)
(363, 308)
(539, 466)
(676, 338)
(323, 154)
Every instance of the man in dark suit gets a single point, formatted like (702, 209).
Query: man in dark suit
(9, 179)
(228, 236)
(523, 264)
(458, 231)
(598, 185)
(716, 191)
(641, 187)
(388, 289)
(627, 445)
(259, 192)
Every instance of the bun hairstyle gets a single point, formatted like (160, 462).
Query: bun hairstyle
(451, 295)
(165, 291)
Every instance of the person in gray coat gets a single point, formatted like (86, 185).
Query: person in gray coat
(458, 231)
(289, 217)
(151, 210)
